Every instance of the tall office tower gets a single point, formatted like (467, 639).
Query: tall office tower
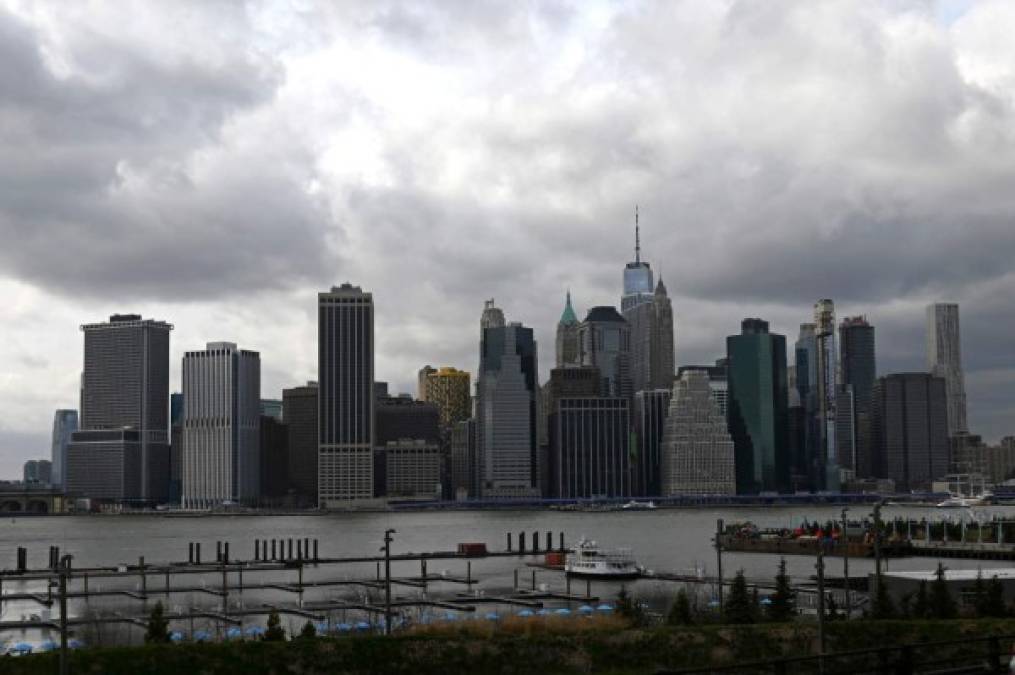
(37, 472)
(345, 369)
(650, 410)
(274, 434)
(717, 382)
(826, 390)
(398, 419)
(859, 371)
(605, 339)
(421, 379)
(568, 351)
(590, 448)
(175, 448)
(221, 426)
(65, 423)
(448, 389)
(638, 283)
(299, 412)
(697, 455)
(846, 455)
(944, 359)
(463, 459)
(910, 429)
(412, 469)
(506, 410)
(758, 408)
(807, 466)
(125, 386)
(650, 316)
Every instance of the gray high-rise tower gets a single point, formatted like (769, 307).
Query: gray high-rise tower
(827, 391)
(122, 450)
(605, 339)
(650, 315)
(65, 423)
(507, 396)
(221, 426)
(944, 359)
(345, 373)
(859, 371)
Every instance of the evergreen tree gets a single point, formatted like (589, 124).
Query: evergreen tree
(680, 613)
(942, 605)
(629, 607)
(738, 607)
(783, 607)
(883, 607)
(994, 606)
(158, 626)
(832, 608)
(308, 632)
(275, 632)
(980, 595)
(921, 605)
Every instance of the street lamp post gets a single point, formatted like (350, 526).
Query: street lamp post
(845, 559)
(387, 580)
(64, 573)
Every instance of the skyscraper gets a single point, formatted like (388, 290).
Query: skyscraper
(506, 408)
(650, 410)
(568, 351)
(910, 429)
(125, 386)
(345, 370)
(650, 316)
(449, 389)
(807, 467)
(299, 412)
(944, 359)
(65, 423)
(221, 426)
(717, 382)
(37, 472)
(605, 339)
(697, 453)
(421, 378)
(758, 408)
(827, 390)
(590, 448)
(859, 371)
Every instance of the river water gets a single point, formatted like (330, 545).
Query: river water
(663, 540)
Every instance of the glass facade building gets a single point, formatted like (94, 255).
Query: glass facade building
(758, 408)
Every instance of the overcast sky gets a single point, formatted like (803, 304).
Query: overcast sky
(215, 164)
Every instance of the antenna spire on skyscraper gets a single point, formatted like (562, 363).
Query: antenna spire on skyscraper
(637, 237)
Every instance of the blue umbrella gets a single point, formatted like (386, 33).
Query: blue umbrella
(234, 633)
(605, 608)
(176, 636)
(451, 616)
(543, 612)
(202, 635)
(362, 625)
(344, 627)
(526, 613)
(75, 644)
(321, 628)
(585, 609)
(253, 631)
(766, 601)
(47, 646)
(492, 616)
(563, 611)
(22, 648)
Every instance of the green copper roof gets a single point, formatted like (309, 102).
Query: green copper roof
(568, 318)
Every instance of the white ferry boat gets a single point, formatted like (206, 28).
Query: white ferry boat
(587, 559)
(962, 502)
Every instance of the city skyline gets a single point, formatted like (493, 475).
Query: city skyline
(280, 173)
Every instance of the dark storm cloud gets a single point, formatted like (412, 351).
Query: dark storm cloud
(113, 180)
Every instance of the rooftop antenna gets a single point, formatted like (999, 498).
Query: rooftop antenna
(637, 237)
